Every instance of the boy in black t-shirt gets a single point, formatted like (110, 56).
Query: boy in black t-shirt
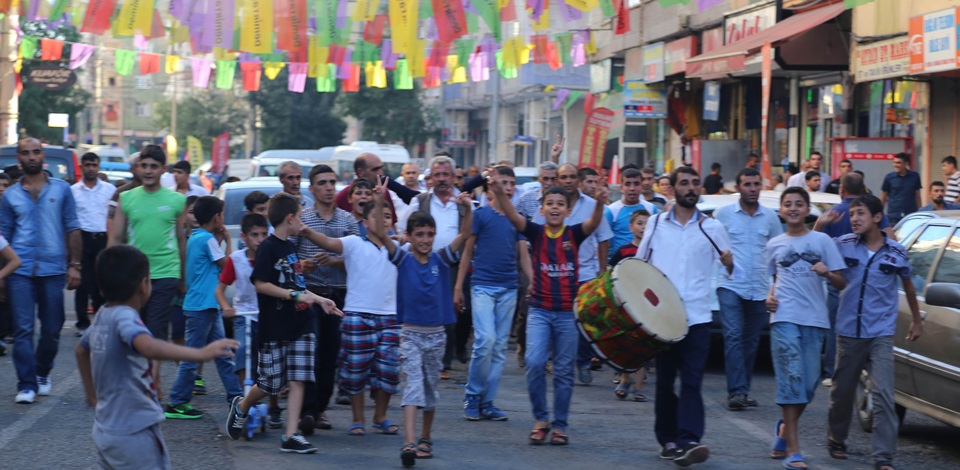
(287, 342)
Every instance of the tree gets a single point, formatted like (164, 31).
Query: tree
(292, 120)
(37, 103)
(390, 115)
(204, 114)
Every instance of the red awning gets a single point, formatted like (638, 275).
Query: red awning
(732, 57)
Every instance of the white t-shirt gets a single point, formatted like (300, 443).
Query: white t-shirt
(371, 277)
(799, 290)
(3, 243)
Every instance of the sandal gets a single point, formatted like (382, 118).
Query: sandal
(357, 429)
(639, 397)
(559, 438)
(778, 448)
(621, 391)
(424, 449)
(386, 427)
(837, 450)
(539, 436)
(323, 422)
(789, 462)
(408, 455)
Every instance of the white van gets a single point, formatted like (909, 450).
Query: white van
(310, 155)
(392, 156)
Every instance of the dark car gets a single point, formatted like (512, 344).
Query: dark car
(60, 162)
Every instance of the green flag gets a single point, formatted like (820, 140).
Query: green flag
(855, 3)
(328, 84)
(123, 61)
(28, 47)
(667, 3)
(606, 6)
(225, 71)
(574, 96)
(401, 76)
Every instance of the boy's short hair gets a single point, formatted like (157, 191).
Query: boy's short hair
(119, 270)
(795, 190)
(368, 208)
(560, 191)
(871, 202)
(282, 205)
(319, 170)
(420, 219)
(183, 166)
(6, 177)
(951, 160)
(191, 200)
(903, 157)
(938, 183)
(254, 199)
(89, 157)
(251, 221)
(715, 166)
(638, 213)
(630, 173)
(811, 175)
(583, 173)
(361, 183)
(154, 152)
(206, 208)
(504, 170)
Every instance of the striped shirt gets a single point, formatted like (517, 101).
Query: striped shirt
(341, 225)
(953, 188)
(529, 204)
(555, 266)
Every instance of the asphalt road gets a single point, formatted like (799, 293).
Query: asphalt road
(605, 432)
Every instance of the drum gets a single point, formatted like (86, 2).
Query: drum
(630, 313)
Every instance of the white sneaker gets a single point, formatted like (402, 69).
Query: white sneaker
(827, 382)
(26, 397)
(43, 386)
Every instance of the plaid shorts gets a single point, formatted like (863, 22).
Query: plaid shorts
(370, 352)
(286, 361)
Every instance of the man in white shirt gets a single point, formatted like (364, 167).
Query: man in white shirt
(409, 177)
(93, 198)
(685, 245)
(813, 163)
(182, 184)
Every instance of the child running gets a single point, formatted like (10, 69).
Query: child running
(638, 222)
(798, 260)
(866, 325)
(550, 321)
(287, 344)
(424, 306)
(115, 359)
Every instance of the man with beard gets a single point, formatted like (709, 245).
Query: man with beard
(680, 243)
(742, 309)
(938, 193)
(588, 181)
(38, 216)
(155, 220)
(92, 197)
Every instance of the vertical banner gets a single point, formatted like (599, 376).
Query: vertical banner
(220, 152)
(136, 17)
(450, 18)
(766, 72)
(404, 20)
(171, 143)
(593, 141)
(489, 10)
(256, 26)
(194, 151)
(218, 24)
(711, 101)
(97, 19)
(291, 25)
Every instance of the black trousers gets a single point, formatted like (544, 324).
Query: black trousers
(459, 332)
(93, 244)
(316, 398)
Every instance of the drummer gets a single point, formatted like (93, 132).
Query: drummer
(685, 245)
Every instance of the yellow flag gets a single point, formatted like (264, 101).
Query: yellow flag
(179, 33)
(171, 149)
(549, 88)
(581, 5)
(136, 17)
(544, 23)
(365, 10)
(415, 58)
(272, 69)
(590, 47)
(376, 75)
(171, 64)
(222, 54)
(77, 13)
(404, 20)
(523, 51)
(459, 75)
(195, 148)
(256, 26)
(317, 58)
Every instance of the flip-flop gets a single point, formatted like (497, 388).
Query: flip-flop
(621, 391)
(778, 444)
(789, 462)
(355, 427)
(384, 427)
(837, 450)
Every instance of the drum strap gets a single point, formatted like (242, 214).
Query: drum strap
(700, 224)
(649, 254)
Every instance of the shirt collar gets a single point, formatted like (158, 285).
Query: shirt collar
(696, 216)
(759, 211)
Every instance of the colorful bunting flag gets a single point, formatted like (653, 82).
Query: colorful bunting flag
(328, 82)
(201, 71)
(404, 21)
(256, 26)
(149, 63)
(297, 77)
(291, 25)
(226, 69)
(574, 96)
(272, 69)
(51, 49)
(219, 24)
(171, 64)
(136, 16)
(373, 30)
(79, 55)
(28, 47)
(562, 95)
(123, 61)
(450, 19)
(401, 76)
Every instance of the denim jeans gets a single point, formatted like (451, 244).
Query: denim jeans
(830, 336)
(43, 294)
(742, 322)
(681, 419)
(493, 309)
(557, 331)
(203, 328)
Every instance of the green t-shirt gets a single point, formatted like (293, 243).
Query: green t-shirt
(152, 228)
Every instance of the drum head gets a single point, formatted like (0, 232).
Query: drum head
(650, 299)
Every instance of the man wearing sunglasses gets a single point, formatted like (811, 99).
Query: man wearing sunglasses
(39, 217)
(370, 167)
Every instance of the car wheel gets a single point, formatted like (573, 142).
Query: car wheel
(864, 404)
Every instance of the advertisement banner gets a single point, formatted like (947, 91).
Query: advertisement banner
(194, 151)
(711, 101)
(676, 53)
(644, 101)
(220, 153)
(933, 42)
(766, 74)
(593, 141)
(633, 64)
(653, 63)
(881, 60)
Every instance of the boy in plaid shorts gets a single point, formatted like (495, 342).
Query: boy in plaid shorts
(287, 342)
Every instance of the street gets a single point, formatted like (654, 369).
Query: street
(605, 432)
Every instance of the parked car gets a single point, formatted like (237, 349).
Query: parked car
(61, 162)
(927, 371)
(260, 167)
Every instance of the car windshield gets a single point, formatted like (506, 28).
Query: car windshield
(58, 167)
(233, 208)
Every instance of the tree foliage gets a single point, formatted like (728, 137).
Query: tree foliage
(36, 103)
(296, 120)
(204, 114)
(390, 115)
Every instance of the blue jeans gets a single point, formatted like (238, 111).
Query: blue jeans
(557, 331)
(492, 310)
(681, 419)
(830, 336)
(43, 294)
(203, 328)
(742, 322)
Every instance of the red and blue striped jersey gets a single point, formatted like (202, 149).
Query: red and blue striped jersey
(555, 266)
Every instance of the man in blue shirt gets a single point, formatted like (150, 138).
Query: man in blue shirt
(742, 310)
(938, 194)
(901, 189)
(39, 217)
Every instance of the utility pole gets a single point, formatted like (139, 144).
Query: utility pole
(9, 104)
(494, 134)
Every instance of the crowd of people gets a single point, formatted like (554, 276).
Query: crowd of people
(379, 286)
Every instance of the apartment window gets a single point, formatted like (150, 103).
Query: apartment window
(112, 81)
(142, 109)
(144, 82)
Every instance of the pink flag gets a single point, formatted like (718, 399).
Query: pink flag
(140, 42)
(562, 95)
(79, 54)
(478, 68)
(297, 77)
(201, 71)
(579, 55)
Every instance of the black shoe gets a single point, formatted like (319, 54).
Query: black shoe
(274, 420)
(736, 402)
(462, 356)
(236, 421)
(3, 350)
(297, 444)
(692, 453)
(306, 425)
(750, 401)
(669, 451)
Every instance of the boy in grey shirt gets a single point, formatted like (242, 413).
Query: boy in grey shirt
(115, 362)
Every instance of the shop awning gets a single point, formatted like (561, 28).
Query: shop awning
(732, 57)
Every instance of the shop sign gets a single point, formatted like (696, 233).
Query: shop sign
(676, 53)
(711, 101)
(883, 59)
(633, 64)
(641, 100)
(50, 76)
(711, 39)
(653, 63)
(600, 76)
(869, 156)
(749, 23)
(933, 42)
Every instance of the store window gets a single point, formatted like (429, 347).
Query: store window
(888, 107)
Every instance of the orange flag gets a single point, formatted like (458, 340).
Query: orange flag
(149, 63)
(51, 49)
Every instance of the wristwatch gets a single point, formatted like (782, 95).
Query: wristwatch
(294, 295)
(77, 266)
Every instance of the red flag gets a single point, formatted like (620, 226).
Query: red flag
(373, 31)
(588, 103)
(291, 25)
(19, 85)
(623, 17)
(352, 84)
(614, 176)
(97, 19)
(251, 75)
(438, 56)
(158, 30)
(553, 56)
(540, 42)
(336, 55)
(221, 145)
(450, 18)
(149, 63)
(51, 49)
(509, 12)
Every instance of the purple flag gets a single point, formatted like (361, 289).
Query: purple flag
(346, 67)
(432, 30)
(79, 54)
(536, 7)
(342, 14)
(562, 95)
(579, 54)
(297, 77)
(478, 71)
(33, 9)
(489, 48)
(218, 24)
(707, 4)
(176, 8)
(387, 56)
(569, 13)
(201, 71)
(468, 6)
